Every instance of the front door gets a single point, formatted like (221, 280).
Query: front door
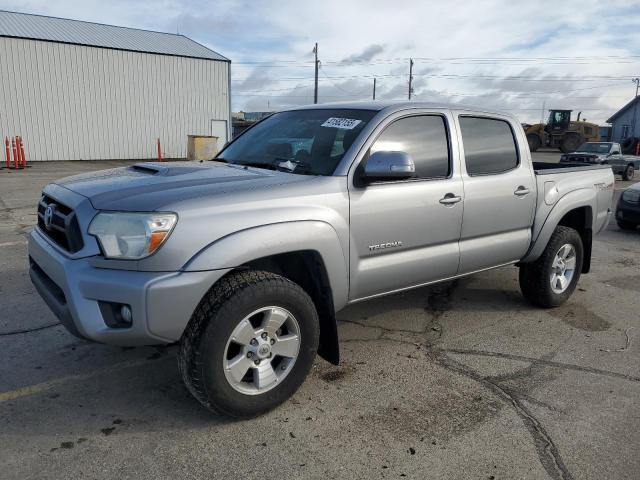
(405, 233)
(500, 194)
(219, 128)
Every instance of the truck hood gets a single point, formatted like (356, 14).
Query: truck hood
(151, 186)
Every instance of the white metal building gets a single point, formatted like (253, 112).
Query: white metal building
(85, 91)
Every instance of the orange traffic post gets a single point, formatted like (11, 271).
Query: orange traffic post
(18, 142)
(15, 152)
(23, 157)
(7, 152)
(159, 151)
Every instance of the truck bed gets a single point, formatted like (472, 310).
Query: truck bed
(543, 168)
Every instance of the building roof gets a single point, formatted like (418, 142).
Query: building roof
(63, 30)
(623, 109)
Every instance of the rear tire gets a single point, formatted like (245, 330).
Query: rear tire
(629, 173)
(540, 281)
(249, 317)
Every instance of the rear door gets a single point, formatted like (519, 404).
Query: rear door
(405, 233)
(499, 190)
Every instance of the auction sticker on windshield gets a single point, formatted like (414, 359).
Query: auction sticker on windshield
(343, 123)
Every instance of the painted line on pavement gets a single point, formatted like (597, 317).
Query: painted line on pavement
(11, 244)
(44, 386)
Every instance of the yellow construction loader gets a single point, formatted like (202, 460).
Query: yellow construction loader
(561, 132)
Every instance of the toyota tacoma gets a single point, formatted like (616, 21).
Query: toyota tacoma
(245, 260)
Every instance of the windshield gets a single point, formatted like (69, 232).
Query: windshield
(602, 147)
(309, 142)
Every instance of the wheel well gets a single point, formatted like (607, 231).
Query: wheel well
(307, 269)
(581, 219)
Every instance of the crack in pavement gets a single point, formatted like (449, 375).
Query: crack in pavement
(28, 330)
(438, 303)
(543, 361)
(548, 453)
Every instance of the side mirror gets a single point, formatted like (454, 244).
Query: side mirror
(389, 166)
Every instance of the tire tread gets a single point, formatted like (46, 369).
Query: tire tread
(533, 279)
(190, 361)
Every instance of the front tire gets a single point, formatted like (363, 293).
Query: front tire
(571, 142)
(250, 344)
(549, 281)
(534, 142)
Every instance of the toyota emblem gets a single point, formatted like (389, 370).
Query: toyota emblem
(48, 216)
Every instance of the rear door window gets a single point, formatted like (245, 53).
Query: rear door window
(489, 145)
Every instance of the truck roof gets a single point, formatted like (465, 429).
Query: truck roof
(378, 105)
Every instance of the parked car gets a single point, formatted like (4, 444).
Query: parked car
(605, 153)
(246, 259)
(628, 211)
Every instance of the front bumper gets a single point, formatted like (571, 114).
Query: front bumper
(162, 302)
(628, 212)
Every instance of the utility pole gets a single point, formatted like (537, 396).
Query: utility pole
(374, 88)
(635, 107)
(410, 77)
(315, 89)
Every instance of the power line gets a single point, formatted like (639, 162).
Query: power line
(527, 78)
(492, 60)
(489, 92)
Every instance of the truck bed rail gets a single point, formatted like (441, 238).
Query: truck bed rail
(542, 168)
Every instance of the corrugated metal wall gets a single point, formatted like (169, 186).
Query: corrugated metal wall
(626, 118)
(71, 102)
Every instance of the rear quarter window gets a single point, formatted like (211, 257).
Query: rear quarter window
(489, 145)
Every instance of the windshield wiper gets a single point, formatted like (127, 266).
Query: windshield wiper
(266, 166)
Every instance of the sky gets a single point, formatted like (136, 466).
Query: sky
(514, 55)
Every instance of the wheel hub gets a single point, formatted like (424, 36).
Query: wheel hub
(562, 268)
(262, 350)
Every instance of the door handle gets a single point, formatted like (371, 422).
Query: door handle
(521, 191)
(450, 199)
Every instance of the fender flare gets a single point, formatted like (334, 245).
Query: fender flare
(238, 248)
(576, 199)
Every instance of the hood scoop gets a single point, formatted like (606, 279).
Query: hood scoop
(149, 168)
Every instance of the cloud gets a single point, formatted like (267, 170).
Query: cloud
(362, 39)
(365, 55)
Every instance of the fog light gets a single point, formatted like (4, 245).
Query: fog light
(125, 313)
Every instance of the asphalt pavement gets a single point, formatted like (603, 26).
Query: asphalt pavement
(463, 380)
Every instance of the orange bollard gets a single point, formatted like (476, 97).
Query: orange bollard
(15, 153)
(159, 151)
(18, 151)
(23, 157)
(7, 152)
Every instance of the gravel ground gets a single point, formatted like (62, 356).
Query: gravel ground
(461, 380)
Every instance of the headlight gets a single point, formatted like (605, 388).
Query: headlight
(131, 236)
(631, 195)
(563, 158)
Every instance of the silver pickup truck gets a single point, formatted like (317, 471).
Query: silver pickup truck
(245, 260)
(605, 153)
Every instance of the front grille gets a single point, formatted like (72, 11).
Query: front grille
(52, 286)
(62, 228)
